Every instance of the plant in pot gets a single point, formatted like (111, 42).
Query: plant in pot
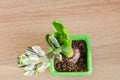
(68, 55)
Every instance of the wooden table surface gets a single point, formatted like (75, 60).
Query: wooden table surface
(25, 22)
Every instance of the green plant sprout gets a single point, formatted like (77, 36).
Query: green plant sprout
(60, 41)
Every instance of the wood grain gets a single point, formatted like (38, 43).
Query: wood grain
(25, 22)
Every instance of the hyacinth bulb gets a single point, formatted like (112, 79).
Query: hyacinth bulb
(33, 61)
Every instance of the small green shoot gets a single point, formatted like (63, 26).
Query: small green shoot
(60, 39)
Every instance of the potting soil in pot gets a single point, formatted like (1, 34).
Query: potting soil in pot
(80, 66)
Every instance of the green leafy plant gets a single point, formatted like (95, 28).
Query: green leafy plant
(34, 60)
(60, 41)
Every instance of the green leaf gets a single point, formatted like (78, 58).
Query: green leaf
(59, 27)
(49, 41)
(67, 48)
(54, 41)
(56, 35)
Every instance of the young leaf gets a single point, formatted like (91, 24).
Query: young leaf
(56, 35)
(54, 41)
(49, 41)
(59, 27)
(67, 48)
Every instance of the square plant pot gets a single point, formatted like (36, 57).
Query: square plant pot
(89, 60)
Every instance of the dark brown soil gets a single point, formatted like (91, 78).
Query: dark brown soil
(80, 66)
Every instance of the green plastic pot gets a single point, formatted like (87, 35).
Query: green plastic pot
(89, 60)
